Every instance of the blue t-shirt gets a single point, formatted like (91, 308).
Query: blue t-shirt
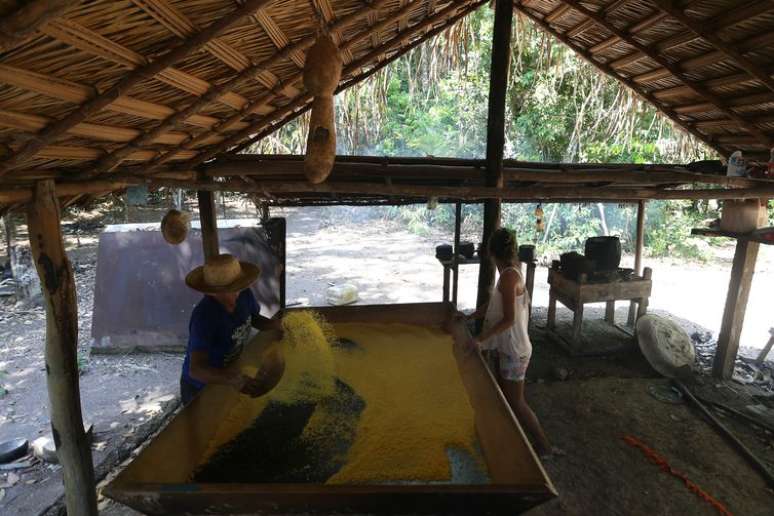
(220, 333)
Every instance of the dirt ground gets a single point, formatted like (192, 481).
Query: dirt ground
(586, 415)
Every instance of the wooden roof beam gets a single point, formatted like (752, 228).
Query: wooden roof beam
(96, 104)
(180, 25)
(721, 21)
(77, 93)
(447, 17)
(111, 160)
(736, 57)
(675, 71)
(647, 23)
(588, 23)
(608, 70)
(25, 21)
(299, 102)
(556, 13)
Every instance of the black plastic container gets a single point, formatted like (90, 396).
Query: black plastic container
(527, 253)
(605, 252)
(444, 252)
(574, 264)
(467, 249)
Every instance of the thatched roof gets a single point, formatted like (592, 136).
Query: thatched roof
(90, 88)
(706, 64)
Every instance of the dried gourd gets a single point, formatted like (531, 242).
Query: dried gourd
(322, 72)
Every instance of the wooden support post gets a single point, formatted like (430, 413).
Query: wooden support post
(9, 236)
(277, 231)
(742, 272)
(495, 136)
(765, 351)
(208, 220)
(610, 312)
(58, 286)
(457, 224)
(530, 284)
(640, 244)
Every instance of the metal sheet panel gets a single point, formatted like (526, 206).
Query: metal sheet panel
(141, 302)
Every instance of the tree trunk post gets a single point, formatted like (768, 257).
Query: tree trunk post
(640, 244)
(58, 286)
(9, 236)
(495, 137)
(209, 223)
(742, 272)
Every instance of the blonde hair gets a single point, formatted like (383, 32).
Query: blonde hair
(503, 245)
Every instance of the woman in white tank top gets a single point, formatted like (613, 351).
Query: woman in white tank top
(505, 333)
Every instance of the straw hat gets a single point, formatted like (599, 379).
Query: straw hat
(222, 273)
(175, 226)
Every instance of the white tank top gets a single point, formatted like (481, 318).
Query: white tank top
(515, 340)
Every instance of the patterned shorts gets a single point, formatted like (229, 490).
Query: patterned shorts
(511, 367)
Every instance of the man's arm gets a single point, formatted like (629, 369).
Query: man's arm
(262, 323)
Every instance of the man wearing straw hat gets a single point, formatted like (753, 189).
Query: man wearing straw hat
(220, 326)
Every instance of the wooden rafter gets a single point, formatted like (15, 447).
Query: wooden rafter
(588, 23)
(607, 69)
(255, 106)
(99, 102)
(727, 49)
(674, 70)
(644, 24)
(27, 19)
(277, 37)
(721, 21)
(325, 9)
(77, 93)
(87, 40)
(301, 100)
(446, 16)
(178, 23)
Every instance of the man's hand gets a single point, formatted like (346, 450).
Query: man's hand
(246, 385)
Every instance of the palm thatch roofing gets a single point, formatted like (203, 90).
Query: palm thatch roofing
(99, 94)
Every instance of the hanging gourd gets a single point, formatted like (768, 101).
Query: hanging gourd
(540, 225)
(322, 71)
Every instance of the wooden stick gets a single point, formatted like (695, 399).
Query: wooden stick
(209, 223)
(726, 433)
(639, 246)
(96, 104)
(58, 286)
(25, 21)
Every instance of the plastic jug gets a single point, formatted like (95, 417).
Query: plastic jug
(343, 294)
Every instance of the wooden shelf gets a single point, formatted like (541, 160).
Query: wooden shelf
(750, 237)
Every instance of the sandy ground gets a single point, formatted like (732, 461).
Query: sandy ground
(388, 263)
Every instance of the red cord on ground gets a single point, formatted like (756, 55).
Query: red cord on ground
(660, 461)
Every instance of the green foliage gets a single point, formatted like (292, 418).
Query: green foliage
(669, 229)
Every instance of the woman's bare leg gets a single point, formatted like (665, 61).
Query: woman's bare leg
(514, 393)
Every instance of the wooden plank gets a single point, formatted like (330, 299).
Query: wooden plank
(209, 224)
(58, 286)
(28, 18)
(739, 285)
(750, 237)
(495, 136)
(639, 246)
(457, 222)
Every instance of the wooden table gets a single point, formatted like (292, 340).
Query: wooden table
(449, 284)
(575, 294)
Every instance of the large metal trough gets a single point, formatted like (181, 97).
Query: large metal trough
(157, 480)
